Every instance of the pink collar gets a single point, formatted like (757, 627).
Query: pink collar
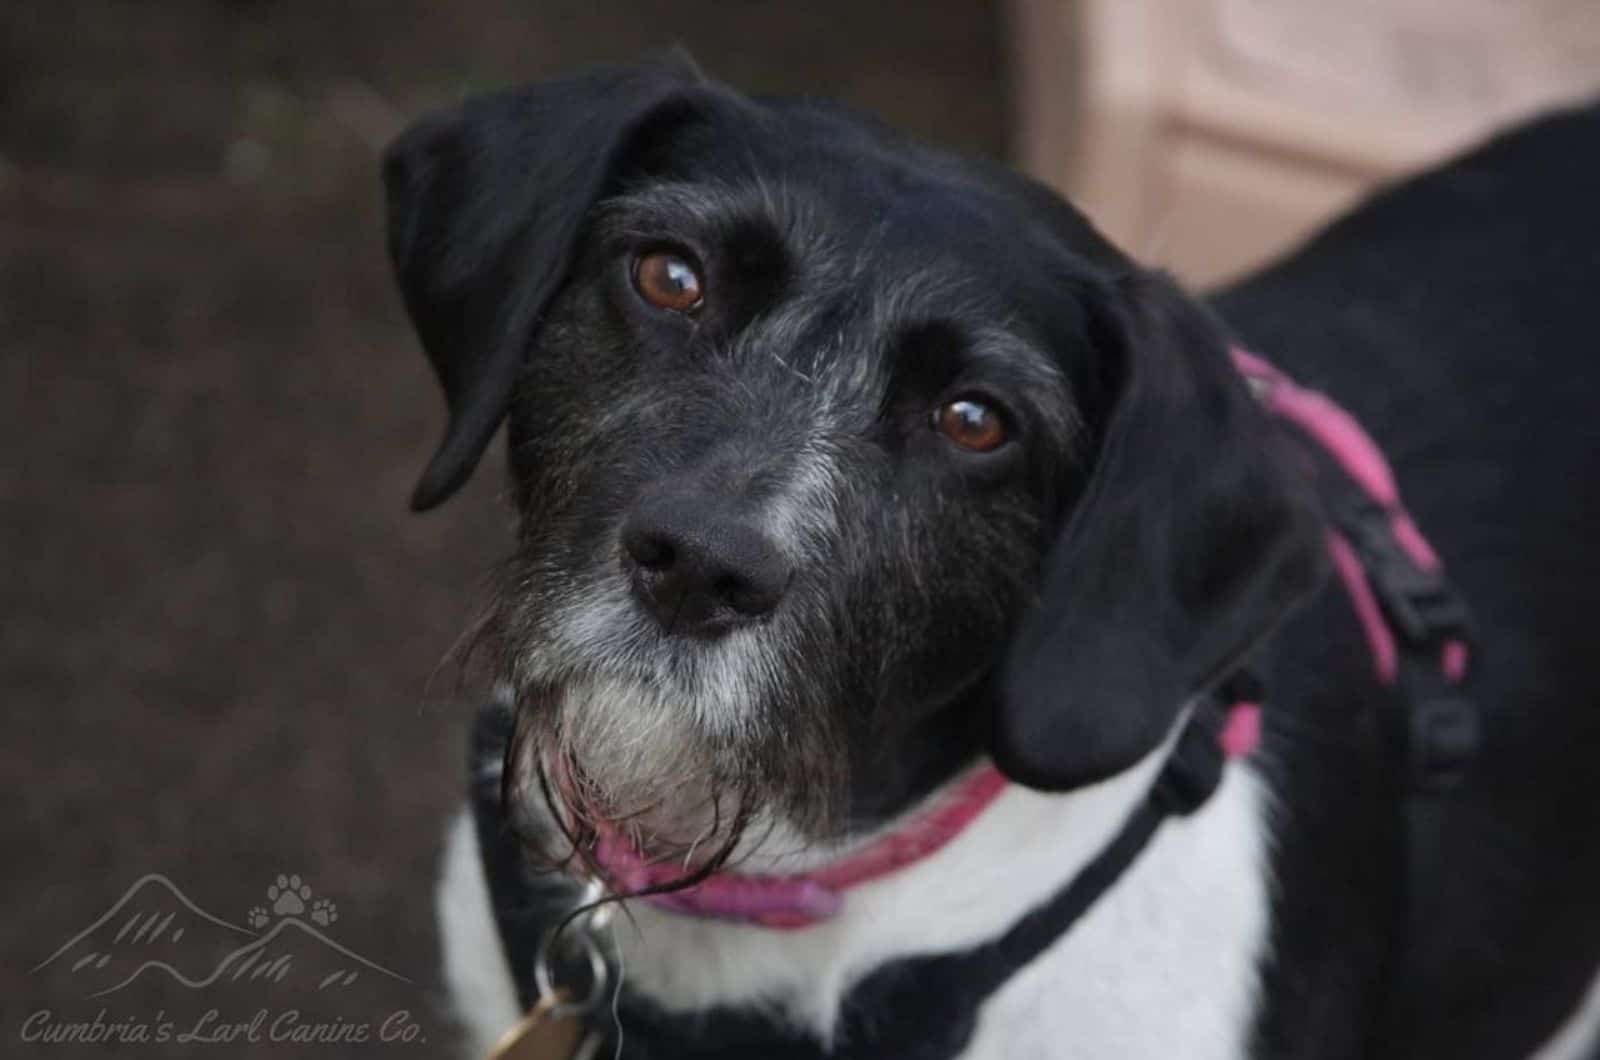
(802, 900)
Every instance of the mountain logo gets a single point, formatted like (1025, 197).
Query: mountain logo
(155, 929)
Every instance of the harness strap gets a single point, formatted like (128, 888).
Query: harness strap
(1419, 630)
(522, 911)
(1187, 780)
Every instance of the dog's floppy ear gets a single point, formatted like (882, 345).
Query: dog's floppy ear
(485, 204)
(1189, 542)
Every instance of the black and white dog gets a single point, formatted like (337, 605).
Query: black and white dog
(849, 471)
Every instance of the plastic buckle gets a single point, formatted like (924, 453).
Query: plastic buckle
(1421, 603)
(1444, 736)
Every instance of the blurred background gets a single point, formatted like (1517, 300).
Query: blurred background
(221, 634)
(220, 630)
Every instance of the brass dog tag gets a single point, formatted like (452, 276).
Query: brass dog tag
(550, 1031)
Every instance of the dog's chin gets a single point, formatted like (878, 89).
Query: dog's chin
(661, 819)
(599, 767)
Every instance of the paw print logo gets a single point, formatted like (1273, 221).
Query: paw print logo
(324, 912)
(288, 896)
(258, 917)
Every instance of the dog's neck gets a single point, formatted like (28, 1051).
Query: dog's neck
(1201, 875)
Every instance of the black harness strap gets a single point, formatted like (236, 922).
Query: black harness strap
(1186, 782)
(525, 904)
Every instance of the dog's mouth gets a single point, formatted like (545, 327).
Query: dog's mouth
(678, 827)
(612, 786)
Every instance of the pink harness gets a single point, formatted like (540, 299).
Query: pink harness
(802, 900)
(1337, 432)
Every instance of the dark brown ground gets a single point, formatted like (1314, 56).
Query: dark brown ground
(220, 627)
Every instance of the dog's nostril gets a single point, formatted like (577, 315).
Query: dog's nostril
(650, 551)
(656, 554)
(747, 597)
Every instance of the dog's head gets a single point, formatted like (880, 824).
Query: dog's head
(839, 461)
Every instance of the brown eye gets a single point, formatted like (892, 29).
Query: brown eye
(668, 281)
(970, 424)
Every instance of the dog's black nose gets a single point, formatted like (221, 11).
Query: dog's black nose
(700, 568)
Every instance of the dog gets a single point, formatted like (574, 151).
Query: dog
(872, 505)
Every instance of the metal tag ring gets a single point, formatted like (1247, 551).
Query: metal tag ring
(599, 975)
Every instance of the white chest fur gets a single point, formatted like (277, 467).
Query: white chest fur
(1164, 964)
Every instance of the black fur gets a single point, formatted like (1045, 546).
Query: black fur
(1055, 601)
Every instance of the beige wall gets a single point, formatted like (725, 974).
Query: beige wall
(1206, 135)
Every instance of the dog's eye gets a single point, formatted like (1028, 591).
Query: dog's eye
(970, 424)
(668, 280)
